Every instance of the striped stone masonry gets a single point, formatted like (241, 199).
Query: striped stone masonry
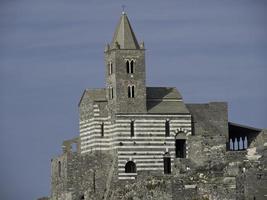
(146, 148)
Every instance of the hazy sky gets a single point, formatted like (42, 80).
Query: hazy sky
(50, 51)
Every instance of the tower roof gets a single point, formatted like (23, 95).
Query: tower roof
(124, 35)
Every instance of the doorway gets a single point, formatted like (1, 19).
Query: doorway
(167, 165)
(180, 146)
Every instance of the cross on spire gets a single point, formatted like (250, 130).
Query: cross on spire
(124, 35)
(123, 9)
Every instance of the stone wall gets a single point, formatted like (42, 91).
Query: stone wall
(208, 142)
(82, 176)
(120, 80)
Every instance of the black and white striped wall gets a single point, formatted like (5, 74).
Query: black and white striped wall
(146, 147)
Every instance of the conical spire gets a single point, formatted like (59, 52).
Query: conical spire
(124, 37)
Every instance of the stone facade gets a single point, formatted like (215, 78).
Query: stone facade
(138, 142)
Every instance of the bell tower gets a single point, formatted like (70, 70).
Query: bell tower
(125, 70)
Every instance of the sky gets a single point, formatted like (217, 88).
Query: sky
(50, 51)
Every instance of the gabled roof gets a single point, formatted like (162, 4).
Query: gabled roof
(160, 100)
(93, 95)
(124, 35)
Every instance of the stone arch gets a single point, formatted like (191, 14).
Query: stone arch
(181, 131)
(130, 167)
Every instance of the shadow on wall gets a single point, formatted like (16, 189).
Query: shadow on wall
(157, 94)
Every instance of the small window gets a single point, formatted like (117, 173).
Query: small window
(132, 128)
(167, 128)
(131, 91)
(110, 71)
(130, 167)
(192, 125)
(59, 168)
(102, 129)
(112, 93)
(132, 67)
(128, 66)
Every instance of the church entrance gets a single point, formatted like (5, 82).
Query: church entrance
(130, 167)
(180, 145)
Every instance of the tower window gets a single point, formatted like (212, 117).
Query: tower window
(131, 91)
(102, 129)
(167, 128)
(110, 68)
(132, 128)
(59, 168)
(110, 92)
(130, 67)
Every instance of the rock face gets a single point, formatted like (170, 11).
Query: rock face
(95, 176)
(142, 143)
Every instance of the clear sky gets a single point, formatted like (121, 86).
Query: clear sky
(50, 51)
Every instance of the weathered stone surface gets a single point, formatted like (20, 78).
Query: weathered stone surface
(176, 151)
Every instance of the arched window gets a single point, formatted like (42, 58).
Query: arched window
(110, 68)
(59, 168)
(231, 144)
(130, 167)
(167, 128)
(238, 143)
(131, 91)
(132, 67)
(128, 66)
(110, 92)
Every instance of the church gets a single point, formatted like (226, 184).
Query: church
(143, 142)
